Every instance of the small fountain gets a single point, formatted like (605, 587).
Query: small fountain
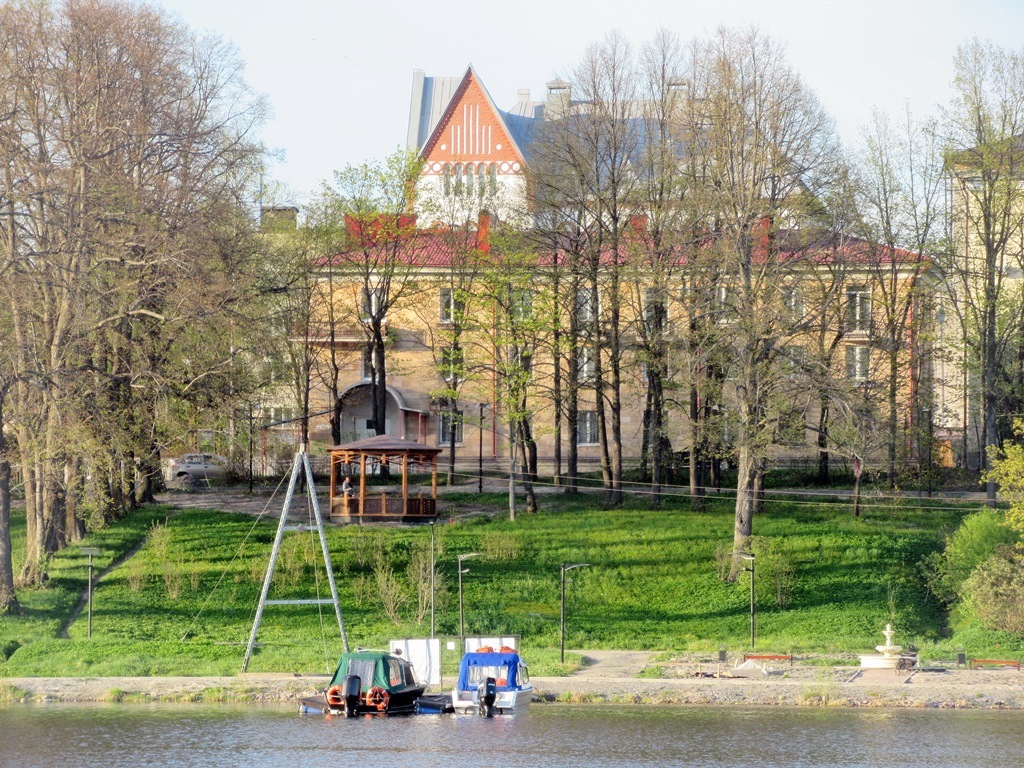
(888, 655)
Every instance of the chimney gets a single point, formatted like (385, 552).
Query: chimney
(559, 99)
(524, 95)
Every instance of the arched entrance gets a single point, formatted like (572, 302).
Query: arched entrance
(357, 413)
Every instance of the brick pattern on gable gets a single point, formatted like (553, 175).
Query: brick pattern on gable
(471, 132)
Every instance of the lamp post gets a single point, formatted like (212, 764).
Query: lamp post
(252, 421)
(90, 551)
(432, 632)
(462, 618)
(480, 455)
(566, 567)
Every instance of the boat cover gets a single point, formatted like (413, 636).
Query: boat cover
(477, 667)
(375, 669)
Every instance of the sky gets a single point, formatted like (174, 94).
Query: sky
(338, 74)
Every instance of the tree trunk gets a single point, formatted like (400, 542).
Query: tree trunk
(697, 490)
(743, 524)
(824, 473)
(8, 598)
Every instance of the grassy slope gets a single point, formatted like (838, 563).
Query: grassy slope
(651, 583)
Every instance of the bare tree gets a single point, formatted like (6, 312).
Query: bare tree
(901, 197)
(130, 150)
(770, 152)
(982, 127)
(381, 258)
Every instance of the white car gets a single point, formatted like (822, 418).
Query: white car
(195, 468)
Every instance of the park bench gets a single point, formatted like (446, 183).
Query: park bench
(769, 657)
(975, 663)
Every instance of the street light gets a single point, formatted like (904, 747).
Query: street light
(749, 557)
(567, 567)
(90, 551)
(432, 632)
(480, 465)
(462, 619)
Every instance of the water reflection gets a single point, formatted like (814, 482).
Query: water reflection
(552, 735)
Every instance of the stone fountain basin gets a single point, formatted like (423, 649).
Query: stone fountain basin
(879, 661)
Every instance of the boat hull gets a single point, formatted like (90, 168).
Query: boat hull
(506, 702)
(400, 702)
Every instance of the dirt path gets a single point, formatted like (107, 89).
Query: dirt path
(612, 664)
(83, 600)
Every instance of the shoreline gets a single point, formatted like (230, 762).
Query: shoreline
(801, 687)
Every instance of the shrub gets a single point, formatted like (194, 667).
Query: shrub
(977, 538)
(994, 592)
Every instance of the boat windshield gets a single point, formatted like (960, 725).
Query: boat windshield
(477, 675)
(395, 676)
(363, 668)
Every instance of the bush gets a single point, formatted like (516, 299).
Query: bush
(994, 592)
(977, 538)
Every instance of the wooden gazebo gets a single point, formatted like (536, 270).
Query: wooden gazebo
(366, 506)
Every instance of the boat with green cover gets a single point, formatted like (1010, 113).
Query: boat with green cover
(368, 682)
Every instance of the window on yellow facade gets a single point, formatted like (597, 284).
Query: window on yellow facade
(367, 368)
(586, 307)
(586, 428)
(451, 363)
(858, 359)
(371, 304)
(858, 309)
(446, 422)
(586, 365)
(795, 303)
(452, 306)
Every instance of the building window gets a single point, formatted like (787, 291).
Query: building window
(521, 308)
(492, 179)
(521, 358)
(446, 422)
(858, 309)
(795, 303)
(367, 368)
(449, 179)
(371, 304)
(586, 308)
(451, 363)
(585, 364)
(451, 306)
(796, 359)
(655, 311)
(721, 300)
(857, 361)
(586, 428)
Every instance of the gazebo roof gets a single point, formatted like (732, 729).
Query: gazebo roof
(384, 444)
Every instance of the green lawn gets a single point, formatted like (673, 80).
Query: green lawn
(826, 583)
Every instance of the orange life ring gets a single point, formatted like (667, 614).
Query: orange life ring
(485, 649)
(335, 697)
(377, 697)
(507, 649)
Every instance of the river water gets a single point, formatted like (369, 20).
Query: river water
(559, 735)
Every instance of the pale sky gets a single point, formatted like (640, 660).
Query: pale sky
(338, 74)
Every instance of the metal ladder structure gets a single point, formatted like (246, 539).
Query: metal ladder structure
(301, 460)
